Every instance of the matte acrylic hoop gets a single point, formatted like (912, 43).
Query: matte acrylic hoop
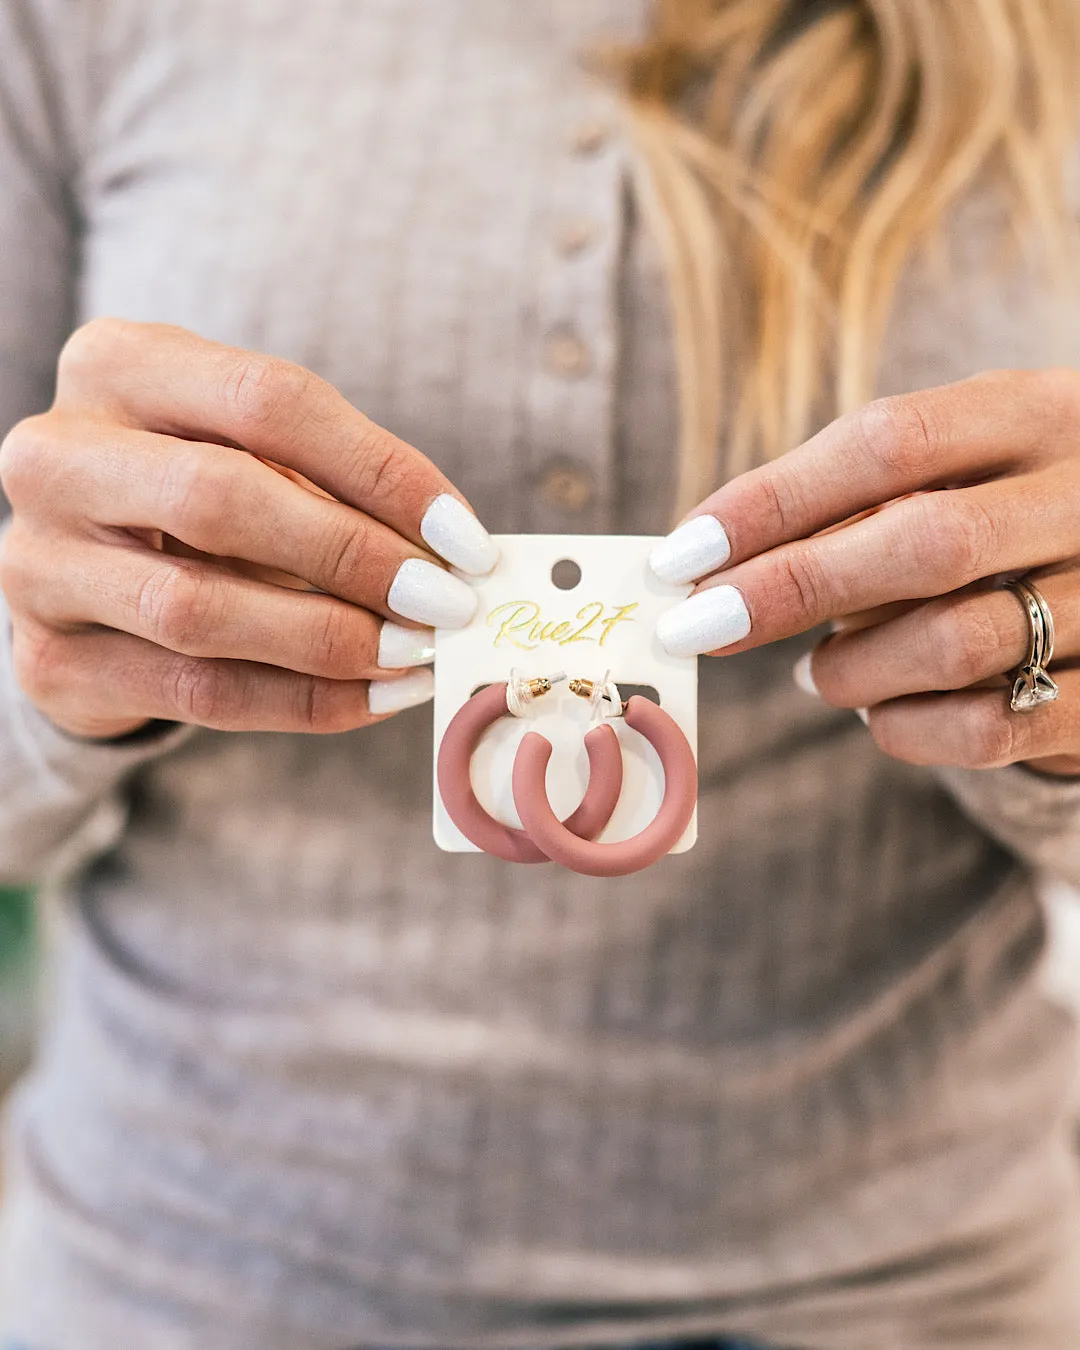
(504, 841)
(628, 855)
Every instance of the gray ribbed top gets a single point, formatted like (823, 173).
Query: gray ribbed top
(311, 1083)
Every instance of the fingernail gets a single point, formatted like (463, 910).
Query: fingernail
(863, 714)
(706, 621)
(451, 530)
(804, 674)
(400, 646)
(426, 594)
(387, 696)
(691, 551)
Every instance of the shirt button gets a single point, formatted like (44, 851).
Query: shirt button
(565, 354)
(575, 236)
(590, 136)
(566, 485)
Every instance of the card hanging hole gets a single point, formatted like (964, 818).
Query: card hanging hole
(566, 574)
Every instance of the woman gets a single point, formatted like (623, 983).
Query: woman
(310, 1083)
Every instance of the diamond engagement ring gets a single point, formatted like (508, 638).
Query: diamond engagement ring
(1032, 686)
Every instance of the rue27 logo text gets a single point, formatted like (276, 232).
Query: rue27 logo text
(520, 623)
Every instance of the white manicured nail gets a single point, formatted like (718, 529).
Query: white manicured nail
(863, 714)
(400, 646)
(451, 530)
(426, 594)
(387, 696)
(804, 674)
(705, 622)
(690, 552)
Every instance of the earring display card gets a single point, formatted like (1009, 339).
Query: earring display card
(579, 605)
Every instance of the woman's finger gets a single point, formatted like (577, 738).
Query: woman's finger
(950, 643)
(196, 608)
(168, 380)
(92, 681)
(933, 438)
(222, 501)
(924, 546)
(976, 729)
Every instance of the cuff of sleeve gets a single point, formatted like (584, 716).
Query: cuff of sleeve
(1034, 815)
(1016, 794)
(51, 760)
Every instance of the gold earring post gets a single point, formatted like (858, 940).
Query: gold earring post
(587, 689)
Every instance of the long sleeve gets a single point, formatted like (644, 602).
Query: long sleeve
(38, 219)
(58, 796)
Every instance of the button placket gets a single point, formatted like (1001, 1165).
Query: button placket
(573, 237)
(567, 485)
(566, 353)
(590, 136)
(569, 412)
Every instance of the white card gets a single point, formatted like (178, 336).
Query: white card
(526, 623)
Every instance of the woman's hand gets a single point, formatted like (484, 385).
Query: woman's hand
(142, 563)
(993, 468)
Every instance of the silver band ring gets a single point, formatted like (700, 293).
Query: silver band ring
(1032, 686)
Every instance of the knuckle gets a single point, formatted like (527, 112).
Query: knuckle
(199, 691)
(26, 457)
(965, 640)
(41, 660)
(335, 651)
(977, 534)
(957, 538)
(96, 346)
(380, 466)
(177, 609)
(196, 494)
(781, 506)
(319, 711)
(991, 738)
(803, 577)
(261, 391)
(900, 434)
(346, 557)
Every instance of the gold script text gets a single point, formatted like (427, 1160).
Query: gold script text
(520, 623)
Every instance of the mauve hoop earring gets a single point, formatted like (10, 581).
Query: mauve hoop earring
(628, 855)
(455, 779)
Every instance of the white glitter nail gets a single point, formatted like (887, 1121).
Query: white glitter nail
(691, 552)
(804, 674)
(451, 530)
(387, 696)
(429, 595)
(704, 623)
(400, 646)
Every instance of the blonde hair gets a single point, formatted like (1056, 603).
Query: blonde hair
(797, 153)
